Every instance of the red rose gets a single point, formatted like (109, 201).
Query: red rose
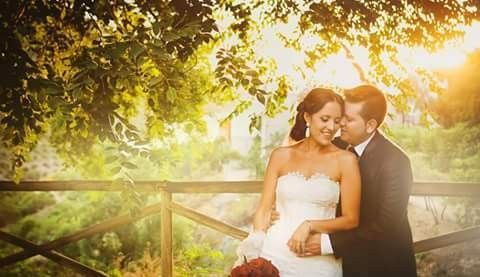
(258, 267)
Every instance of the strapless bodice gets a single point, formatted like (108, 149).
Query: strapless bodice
(299, 197)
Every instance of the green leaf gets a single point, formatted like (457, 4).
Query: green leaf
(136, 49)
(155, 81)
(129, 165)
(161, 53)
(260, 98)
(170, 36)
(115, 170)
(111, 159)
(262, 91)
(256, 81)
(255, 123)
(118, 128)
(151, 103)
(132, 135)
(171, 95)
(79, 76)
(156, 27)
(189, 31)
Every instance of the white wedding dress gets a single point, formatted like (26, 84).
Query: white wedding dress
(299, 198)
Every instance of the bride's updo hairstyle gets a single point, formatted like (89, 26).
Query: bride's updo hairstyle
(313, 102)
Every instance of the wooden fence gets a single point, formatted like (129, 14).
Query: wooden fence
(167, 207)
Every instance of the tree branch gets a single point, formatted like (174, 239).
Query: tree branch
(356, 65)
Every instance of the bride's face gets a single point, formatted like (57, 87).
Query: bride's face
(325, 123)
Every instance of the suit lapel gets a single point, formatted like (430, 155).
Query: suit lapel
(369, 159)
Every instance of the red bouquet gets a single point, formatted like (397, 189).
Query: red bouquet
(258, 267)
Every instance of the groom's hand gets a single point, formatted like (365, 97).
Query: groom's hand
(313, 246)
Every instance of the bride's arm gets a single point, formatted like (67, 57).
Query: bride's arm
(261, 219)
(350, 192)
(251, 246)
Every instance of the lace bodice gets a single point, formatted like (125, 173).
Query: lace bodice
(299, 197)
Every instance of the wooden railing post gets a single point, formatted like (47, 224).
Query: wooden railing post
(166, 236)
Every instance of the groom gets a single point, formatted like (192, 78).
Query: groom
(382, 244)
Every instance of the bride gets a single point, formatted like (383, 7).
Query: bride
(305, 181)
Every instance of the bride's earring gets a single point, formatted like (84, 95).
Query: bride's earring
(307, 131)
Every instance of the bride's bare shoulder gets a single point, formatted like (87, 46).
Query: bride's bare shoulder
(282, 152)
(346, 156)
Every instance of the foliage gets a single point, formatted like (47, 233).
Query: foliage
(126, 243)
(82, 70)
(19, 204)
(453, 152)
(258, 155)
(199, 260)
(148, 265)
(124, 249)
(447, 155)
(196, 260)
(460, 102)
(195, 159)
(380, 27)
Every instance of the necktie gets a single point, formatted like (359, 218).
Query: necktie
(352, 149)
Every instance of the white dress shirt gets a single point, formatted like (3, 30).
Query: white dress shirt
(325, 244)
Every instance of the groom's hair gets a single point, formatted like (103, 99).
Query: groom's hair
(374, 102)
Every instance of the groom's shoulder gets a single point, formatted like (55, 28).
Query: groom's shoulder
(392, 149)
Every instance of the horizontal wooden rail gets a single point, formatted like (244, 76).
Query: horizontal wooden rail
(436, 188)
(420, 188)
(447, 239)
(141, 186)
(52, 255)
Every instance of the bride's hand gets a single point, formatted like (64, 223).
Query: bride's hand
(296, 243)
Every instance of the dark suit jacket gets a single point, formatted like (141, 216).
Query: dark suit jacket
(382, 243)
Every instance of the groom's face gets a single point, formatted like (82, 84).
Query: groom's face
(353, 126)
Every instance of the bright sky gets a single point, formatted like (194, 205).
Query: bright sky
(337, 70)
